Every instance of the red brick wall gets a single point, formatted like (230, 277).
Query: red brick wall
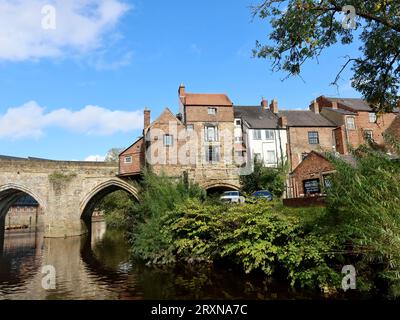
(298, 140)
(200, 113)
(136, 151)
(313, 167)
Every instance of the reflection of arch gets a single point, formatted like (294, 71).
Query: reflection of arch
(100, 191)
(9, 193)
(220, 187)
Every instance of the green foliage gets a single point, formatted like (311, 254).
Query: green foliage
(256, 236)
(303, 29)
(263, 178)
(364, 208)
(159, 195)
(118, 209)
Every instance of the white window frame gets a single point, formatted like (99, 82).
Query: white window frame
(128, 161)
(215, 156)
(207, 136)
(353, 125)
(212, 111)
(257, 134)
(271, 160)
(238, 122)
(372, 117)
(168, 140)
(271, 134)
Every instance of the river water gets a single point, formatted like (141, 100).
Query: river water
(99, 267)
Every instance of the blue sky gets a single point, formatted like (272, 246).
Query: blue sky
(79, 90)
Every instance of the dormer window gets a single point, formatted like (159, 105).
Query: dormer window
(212, 111)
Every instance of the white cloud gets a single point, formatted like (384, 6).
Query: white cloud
(31, 120)
(81, 26)
(95, 158)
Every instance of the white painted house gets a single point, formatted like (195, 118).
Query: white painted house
(262, 132)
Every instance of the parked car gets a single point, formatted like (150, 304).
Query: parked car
(232, 197)
(263, 194)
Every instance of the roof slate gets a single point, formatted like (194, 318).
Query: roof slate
(304, 118)
(256, 117)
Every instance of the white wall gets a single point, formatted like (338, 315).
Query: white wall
(277, 145)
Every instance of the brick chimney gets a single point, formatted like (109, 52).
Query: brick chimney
(147, 113)
(181, 91)
(334, 105)
(274, 106)
(314, 106)
(282, 121)
(264, 104)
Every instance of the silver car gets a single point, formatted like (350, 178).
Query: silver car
(232, 197)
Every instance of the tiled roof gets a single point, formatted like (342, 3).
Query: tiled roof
(256, 117)
(355, 104)
(207, 99)
(304, 118)
(341, 111)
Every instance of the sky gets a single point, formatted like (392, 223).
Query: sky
(76, 75)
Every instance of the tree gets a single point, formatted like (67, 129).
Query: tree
(113, 155)
(302, 29)
(263, 178)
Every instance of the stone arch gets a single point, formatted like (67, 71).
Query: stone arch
(220, 187)
(10, 192)
(99, 191)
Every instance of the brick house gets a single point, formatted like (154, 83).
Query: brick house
(197, 142)
(356, 121)
(311, 176)
(307, 131)
(263, 137)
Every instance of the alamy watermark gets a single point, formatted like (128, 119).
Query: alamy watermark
(49, 17)
(49, 279)
(349, 280)
(349, 20)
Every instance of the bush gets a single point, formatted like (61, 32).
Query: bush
(263, 178)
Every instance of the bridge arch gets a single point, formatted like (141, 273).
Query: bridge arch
(90, 200)
(213, 188)
(9, 193)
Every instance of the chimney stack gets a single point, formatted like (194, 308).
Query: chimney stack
(282, 121)
(334, 105)
(314, 106)
(274, 106)
(147, 113)
(264, 104)
(181, 91)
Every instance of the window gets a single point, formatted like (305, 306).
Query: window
(189, 128)
(372, 117)
(211, 133)
(168, 140)
(369, 135)
(212, 111)
(350, 123)
(238, 139)
(313, 137)
(238, 122)
(257, 134)
(269, 134)
(311, 186)
(327, 181)
(128, 159)
(271, 156)
(212, 154)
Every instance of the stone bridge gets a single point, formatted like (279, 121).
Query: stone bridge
(67, 192)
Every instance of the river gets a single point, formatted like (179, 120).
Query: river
(99, 267)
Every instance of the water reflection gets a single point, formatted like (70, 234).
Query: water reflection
(99, 267)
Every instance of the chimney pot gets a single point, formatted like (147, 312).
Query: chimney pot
(274, 106)
(181, 91)
(147, 114)
(314, 106)
(264, 103)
